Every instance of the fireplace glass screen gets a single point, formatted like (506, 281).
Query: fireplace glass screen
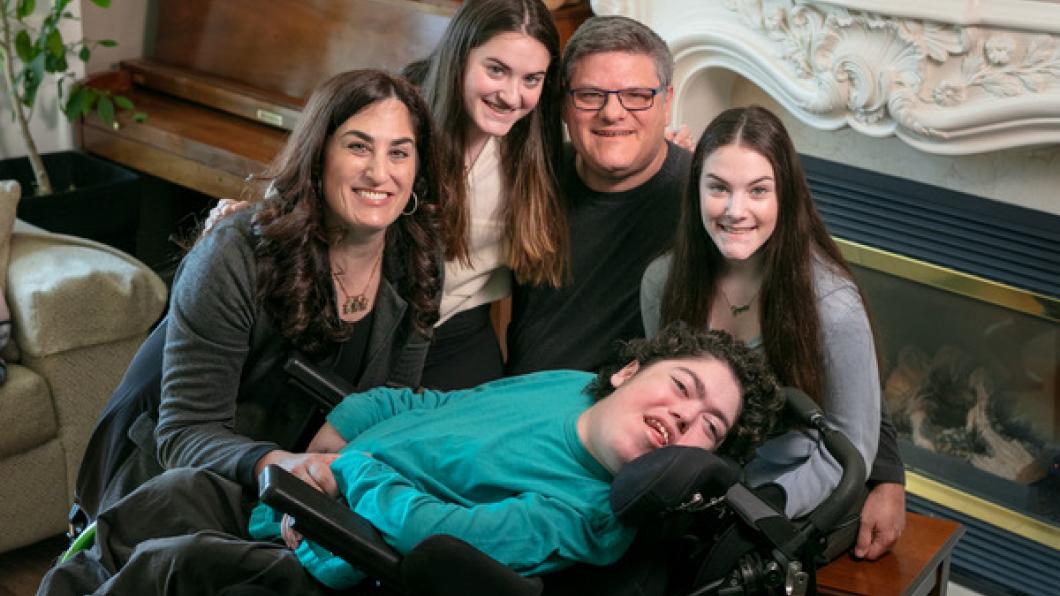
(972, 389)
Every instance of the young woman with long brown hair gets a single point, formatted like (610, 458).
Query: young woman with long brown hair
(752, 257)
(493, 86)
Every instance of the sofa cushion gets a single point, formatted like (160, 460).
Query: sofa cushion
(32, 504)
(67, 292)
(9, 196)
(26, 411)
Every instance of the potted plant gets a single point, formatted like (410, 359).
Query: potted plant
(68, 192)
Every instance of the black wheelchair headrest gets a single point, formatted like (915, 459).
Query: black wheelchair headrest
(666, 478)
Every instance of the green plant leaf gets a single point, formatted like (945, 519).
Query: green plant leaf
(23, 46)
(84, 54)
(25, 8)
(55, 64)
(29, 90)
(139, 116)
(55, 43)
(105, 110)
(32, 77)
(108, 43)
(77, 104)
(101, 3)
(123, 102)
(91, 95)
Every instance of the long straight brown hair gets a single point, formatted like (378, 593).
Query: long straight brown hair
(536, 218)
(791, 327)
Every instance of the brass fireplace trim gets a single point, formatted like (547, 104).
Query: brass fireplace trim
(973, 506)
(958, 282)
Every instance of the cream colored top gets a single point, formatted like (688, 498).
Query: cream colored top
(488, 278)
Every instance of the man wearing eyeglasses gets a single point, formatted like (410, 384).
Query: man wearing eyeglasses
(622, 182)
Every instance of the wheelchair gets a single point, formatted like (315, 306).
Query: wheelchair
(722, 537)
(711, 534)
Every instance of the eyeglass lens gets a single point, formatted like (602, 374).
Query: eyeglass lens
(631, 99)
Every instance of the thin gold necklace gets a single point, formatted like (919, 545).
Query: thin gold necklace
(738, 309)
(352, 305)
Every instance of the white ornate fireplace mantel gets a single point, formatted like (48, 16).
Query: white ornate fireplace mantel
(949, 77)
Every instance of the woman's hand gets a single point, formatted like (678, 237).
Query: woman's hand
(327, 440)
(313, 468)
(681, 136)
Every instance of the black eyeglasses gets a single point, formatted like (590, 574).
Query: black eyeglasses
(634, 99)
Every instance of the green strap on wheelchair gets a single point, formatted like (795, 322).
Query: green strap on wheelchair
(84, 541)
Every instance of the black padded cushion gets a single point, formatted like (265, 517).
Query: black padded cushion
(667, 477)
(443, 565)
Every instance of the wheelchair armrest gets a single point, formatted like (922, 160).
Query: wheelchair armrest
(325, 387)
(667, 478)
(330, 524)
(852, 482)
(439, 566)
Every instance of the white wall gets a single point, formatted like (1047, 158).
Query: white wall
(122, 22)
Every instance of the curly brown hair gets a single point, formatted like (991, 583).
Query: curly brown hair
(761, 397)
(293, 268)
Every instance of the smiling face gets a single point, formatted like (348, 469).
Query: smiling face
(738, 201)
(617, 149)
(503, 82)
(370, 168)
(682, 401)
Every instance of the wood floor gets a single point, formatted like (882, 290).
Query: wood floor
(21, 570)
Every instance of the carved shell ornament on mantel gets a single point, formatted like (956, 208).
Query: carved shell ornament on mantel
(880, 67)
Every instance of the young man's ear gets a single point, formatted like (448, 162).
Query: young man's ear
(624, 374)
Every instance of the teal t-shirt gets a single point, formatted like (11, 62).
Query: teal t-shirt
(499, 466)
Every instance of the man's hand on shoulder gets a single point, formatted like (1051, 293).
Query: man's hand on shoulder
(221, 210)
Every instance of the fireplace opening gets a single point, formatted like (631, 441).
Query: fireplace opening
(971, 388)
(965, 295)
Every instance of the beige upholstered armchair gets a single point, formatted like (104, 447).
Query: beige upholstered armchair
(79, 310)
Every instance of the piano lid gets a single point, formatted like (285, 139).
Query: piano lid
(274, 53)
(223, 81)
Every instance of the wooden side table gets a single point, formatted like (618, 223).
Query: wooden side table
(919, 564)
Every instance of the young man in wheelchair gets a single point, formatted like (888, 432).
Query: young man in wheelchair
(520, 468)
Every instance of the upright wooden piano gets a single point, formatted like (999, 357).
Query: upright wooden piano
(226, 80)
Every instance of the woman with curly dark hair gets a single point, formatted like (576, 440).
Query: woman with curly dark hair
(752, 257)
(338, 260)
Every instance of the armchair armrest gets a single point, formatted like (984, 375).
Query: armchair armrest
(66, 292)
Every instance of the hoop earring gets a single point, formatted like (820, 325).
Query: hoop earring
(415, 205)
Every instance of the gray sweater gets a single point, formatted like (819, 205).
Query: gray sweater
(797, 461)
(224, 400)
